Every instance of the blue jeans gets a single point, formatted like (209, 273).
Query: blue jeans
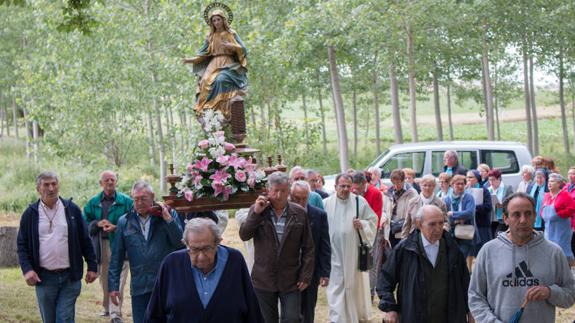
(56, 296)
(139, 305)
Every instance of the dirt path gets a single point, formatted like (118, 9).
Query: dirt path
(505, 116)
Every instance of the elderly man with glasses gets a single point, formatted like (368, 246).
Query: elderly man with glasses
(206, 282)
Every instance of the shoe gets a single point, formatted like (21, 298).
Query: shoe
(116, 320)
(104, 313)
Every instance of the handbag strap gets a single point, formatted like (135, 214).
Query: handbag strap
(357, 217)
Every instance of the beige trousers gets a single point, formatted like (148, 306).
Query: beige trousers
(114, 310)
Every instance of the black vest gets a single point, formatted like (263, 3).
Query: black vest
(436, 283)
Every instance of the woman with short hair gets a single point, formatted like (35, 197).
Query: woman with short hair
(395, 202)
(502, 191)
(527, 174)
(483, 170)
(461, 211)
(557, 209)
(444, 185)
(537, 192)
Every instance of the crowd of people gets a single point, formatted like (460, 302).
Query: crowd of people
(459, 247)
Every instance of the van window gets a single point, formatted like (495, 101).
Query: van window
(504, 160)
(415, 160)
(466, 158)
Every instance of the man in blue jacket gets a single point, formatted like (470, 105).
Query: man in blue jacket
(52, 240)
(146, 239)
(320, 233)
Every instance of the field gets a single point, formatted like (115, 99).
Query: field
(18, 302)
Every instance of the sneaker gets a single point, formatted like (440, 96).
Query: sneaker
(104, 313)
(116, 320)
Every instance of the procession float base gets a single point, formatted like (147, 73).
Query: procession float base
(236, 201)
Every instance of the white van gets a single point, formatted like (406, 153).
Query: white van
(427, 158)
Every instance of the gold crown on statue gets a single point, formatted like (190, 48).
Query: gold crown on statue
(212, 7)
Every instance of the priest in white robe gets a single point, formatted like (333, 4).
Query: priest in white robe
(348, 293)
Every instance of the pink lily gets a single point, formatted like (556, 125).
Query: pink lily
(236, 162)
(222, 160)
(204, 144)
(189, 195)
(229, 147)
(220, 176)
(203, 164)
(218, 189)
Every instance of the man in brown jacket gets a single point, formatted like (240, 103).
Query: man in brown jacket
(284, 251)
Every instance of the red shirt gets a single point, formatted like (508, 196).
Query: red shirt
(374, 199)
(571, 191)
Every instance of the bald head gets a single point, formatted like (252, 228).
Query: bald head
(108, 181)
(430, 220)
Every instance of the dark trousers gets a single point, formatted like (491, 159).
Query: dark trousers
(309, 300)
(290, 306)
(139, 305)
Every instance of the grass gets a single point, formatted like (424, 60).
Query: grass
(18, 301)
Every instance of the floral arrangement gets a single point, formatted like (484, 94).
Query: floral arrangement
(216, 170)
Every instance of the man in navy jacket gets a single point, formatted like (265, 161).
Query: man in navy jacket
(320, 232)
(52, 239)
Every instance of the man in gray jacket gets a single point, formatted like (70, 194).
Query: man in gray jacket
(520, 265)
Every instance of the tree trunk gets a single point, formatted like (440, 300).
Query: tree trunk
(27, 134)
(253, 117)
(487, 85)
(7, 120)
(496, 103)
(2, 117)
(573, 112)
(262, 128)
(354, 106)
(339, 110)
(15, 118)
(527, 100)
(305, 119)
(172, 132)
(270, 119)
(35, 139)
(396, 116)
(322, 115)
(533, 108)
(562, 101)
(449, 111)
(436, 106)
(411, 81)
(151, 141)
(375, 108)
(155, 105)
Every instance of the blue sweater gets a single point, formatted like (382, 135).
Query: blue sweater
(175, 298)
(79, 244)
(144, 256)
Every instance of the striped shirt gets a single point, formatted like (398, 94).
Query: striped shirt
(279, 223)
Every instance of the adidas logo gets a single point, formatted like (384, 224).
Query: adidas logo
(521, 277)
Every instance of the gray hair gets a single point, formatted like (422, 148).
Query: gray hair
(108, 172)
(301, 184)
(296, 169)
(555, 176)
(528, 168)
(141, 185)
(311, 172)
(46, 175)
(428, 178)
(277, 178)
(375, 170)
(197, 225)
(425, 210)
(452, 153)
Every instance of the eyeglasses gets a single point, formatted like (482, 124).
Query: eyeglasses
(198, 250)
